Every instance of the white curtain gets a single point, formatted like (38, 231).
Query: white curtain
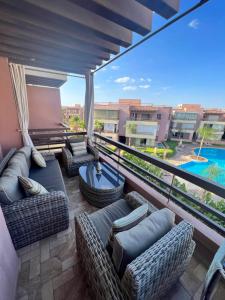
(20, 92)
(89, 105)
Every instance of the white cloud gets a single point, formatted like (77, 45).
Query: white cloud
(194, 24)
(149, 79)
(142, 79)
(97, 86)
(115, 68)
(122, 79)
(104, 69)
(145, 86)
(132, 80)
(165, 88)
(129, 88)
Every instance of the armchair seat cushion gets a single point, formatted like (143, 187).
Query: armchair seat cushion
(104, 218)
(50, 177)
(83, 158)
(129, 244)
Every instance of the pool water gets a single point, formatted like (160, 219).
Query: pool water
(215, 156)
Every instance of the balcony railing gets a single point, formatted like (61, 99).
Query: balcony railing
(209, 215)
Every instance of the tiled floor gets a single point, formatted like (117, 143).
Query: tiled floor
(50, 269)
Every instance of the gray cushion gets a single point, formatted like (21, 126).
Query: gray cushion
(103, 218)
(50, 177)
(31, 187)
(135, 200)
(79, 149)
(20, 161)
(10, 190)
(26, 150)
(83, 158)
(129, 221)
(38, 158)
(129, 244)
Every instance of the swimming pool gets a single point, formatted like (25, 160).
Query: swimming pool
(215, 156)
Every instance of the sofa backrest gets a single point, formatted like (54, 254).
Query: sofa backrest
(18, 165)
(9, 263)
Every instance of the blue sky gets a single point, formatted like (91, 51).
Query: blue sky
(183, 64)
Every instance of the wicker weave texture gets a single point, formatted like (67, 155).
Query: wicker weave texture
(149, 276)
(152, 274)
(34, 218)
(71, 166)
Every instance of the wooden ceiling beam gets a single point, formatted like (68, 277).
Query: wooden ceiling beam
(45, 65)
(78, 15)
(47, 49)
(39, 36)
(22, 53)
(25, 16)
(165, 8)
(129, 13)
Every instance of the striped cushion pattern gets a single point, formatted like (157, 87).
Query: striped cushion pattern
(32, 187)
(79, 148)
(38, 158)
(131, 220)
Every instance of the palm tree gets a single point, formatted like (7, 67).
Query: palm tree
(99, 126)
(131, 128)
(206, 133)
(213, 171)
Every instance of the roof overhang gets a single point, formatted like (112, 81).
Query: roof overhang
(73, 36)
(43, 77)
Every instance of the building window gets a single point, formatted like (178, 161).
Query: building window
(159, 116)
(133, 116)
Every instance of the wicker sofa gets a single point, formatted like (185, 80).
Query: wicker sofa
(30, 219)
(149, 276)
(72, 163)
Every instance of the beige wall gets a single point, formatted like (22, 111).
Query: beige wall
(44, 107)
(9, 135)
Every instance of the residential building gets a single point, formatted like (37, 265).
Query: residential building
(148, 124)
(185, 122)
(133, 123)
(108, 114)
(72, 110)
(215, 118)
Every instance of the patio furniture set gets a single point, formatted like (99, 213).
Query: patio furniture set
(128, 249)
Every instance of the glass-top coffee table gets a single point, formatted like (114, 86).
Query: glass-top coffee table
(101, 189)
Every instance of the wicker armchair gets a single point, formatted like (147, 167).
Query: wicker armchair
(72, 163)
(149, 276)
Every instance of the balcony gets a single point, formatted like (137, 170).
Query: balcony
(77, 39)
(50, 268)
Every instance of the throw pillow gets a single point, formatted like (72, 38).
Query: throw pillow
(38, 158)
(125, 223)
(79, 148)
(129, 244)
(32, 187)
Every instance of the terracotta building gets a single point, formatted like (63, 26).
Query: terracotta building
(129, 121)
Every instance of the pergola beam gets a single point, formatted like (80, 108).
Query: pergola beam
(97, 24)
(39, 37)
(21, 53)
(23, 15)
(45, 49)
(24, 61)
(129, 13)
(165, 8)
